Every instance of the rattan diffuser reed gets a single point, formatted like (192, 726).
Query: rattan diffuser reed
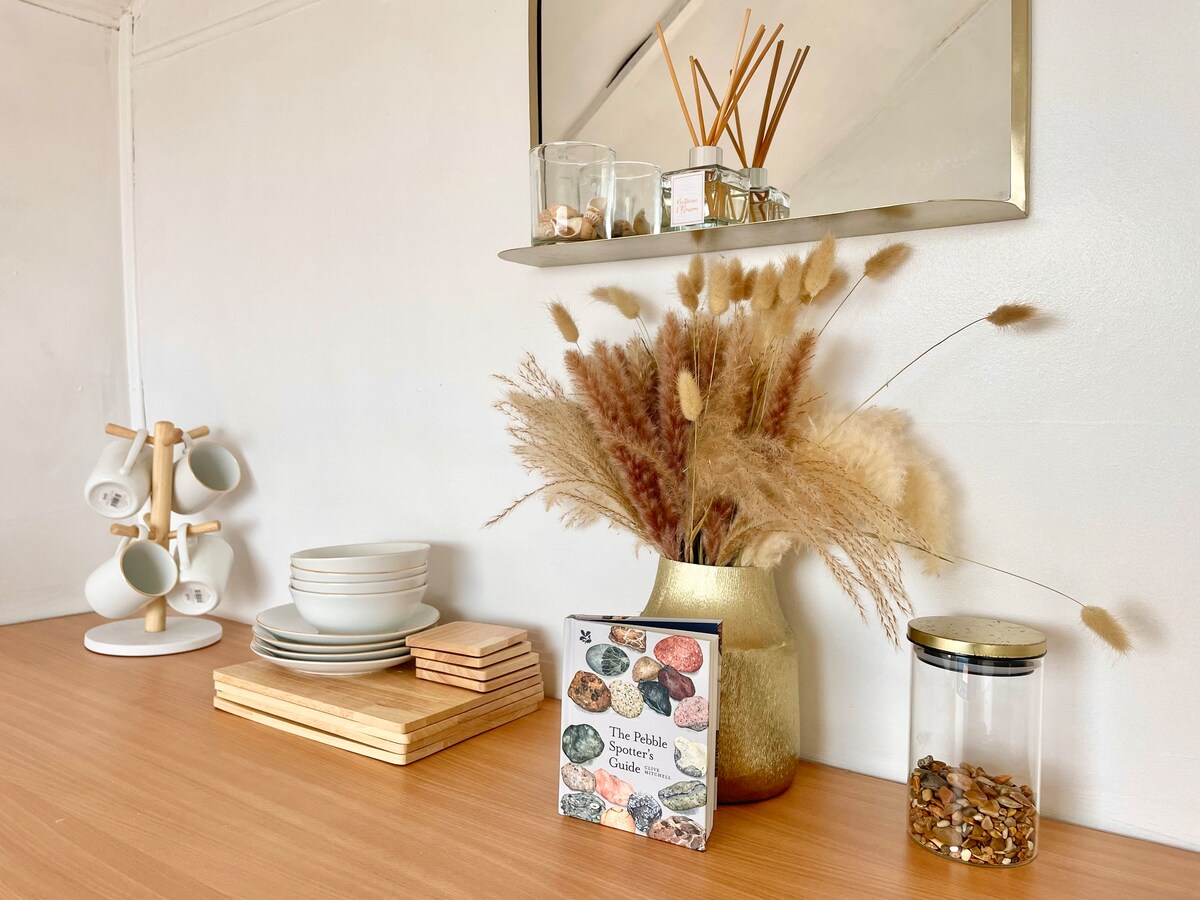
(726, 118)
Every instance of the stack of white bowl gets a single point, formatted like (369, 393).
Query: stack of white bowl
(350, 600)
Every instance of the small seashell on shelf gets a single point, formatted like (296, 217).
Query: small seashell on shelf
(623, 228)
(565, 223)
(641, 224)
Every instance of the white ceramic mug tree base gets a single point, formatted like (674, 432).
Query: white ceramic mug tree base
(129, 637)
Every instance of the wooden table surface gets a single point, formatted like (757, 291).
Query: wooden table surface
(119, 779)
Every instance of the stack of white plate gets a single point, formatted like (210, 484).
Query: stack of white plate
(354, 606)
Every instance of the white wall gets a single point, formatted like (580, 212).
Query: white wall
(62, 345)
(320, 201)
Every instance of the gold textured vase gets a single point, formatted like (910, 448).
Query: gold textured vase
(758, 737)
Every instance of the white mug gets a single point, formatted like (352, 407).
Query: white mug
(204, 472)
(205, 562)
(138, 572)
(120, 482)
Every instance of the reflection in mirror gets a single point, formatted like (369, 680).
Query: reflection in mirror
(897, 103)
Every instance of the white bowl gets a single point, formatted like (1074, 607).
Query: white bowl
(362, 587)
(357, 613)
(383, 556)
(355, 578)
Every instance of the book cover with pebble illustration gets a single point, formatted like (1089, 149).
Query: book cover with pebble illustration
(639, 725)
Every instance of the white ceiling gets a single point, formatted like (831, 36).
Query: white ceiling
(98, 12)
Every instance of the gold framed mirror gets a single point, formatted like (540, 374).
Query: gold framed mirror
(906, 116)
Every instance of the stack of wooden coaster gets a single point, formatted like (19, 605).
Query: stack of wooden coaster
(475, 656)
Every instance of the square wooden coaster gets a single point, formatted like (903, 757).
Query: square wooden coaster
(468, 638)
(533, 674)
(474, 662)
(485, 674)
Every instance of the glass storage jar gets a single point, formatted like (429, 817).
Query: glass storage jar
(975, 737)
(637, 199)
(570, 191)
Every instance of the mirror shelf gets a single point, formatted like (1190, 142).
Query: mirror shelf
(889, 220)
(958, 109)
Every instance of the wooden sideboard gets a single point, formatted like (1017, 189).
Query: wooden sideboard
(119, 779)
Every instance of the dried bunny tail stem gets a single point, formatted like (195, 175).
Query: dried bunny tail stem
(766, 285)
(696, 273)
(737, 278)
(886, 260)
(720, 289)
(878, 266)
(564, 322)
(791, 279)
(819, 266)
(1105, 626)
(687, 293)
(625, 302)
(748, 283)
(690, 400)
(1008, 315)
(1096, 619)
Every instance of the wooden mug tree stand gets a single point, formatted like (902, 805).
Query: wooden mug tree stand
(157, 634)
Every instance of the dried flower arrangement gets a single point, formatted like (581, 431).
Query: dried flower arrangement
(707, 441)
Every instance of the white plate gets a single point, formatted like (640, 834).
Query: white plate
(382, 556)
(286, 622)
(320, 667)
(393, 653)
(356, 578)
(273, 642)
(358, 587)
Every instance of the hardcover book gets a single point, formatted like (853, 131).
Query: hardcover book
(639, 725)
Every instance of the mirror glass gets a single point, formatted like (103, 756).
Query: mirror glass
(898, 102)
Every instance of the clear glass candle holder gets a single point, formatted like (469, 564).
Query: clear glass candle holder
(571, 190)
(975, 739)
(637, 199)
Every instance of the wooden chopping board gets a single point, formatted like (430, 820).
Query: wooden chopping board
(393, 701)
(399, 759)
(366, 734)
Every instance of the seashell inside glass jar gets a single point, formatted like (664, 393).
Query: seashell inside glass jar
(565, 178)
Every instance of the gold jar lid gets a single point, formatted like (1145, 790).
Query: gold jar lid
(968, 636)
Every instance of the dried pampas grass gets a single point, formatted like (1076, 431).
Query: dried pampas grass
(564, 322)
(707, 441)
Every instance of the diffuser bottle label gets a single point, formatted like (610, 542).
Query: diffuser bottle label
(687, 198)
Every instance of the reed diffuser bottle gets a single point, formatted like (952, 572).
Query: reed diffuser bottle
(706, 194)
